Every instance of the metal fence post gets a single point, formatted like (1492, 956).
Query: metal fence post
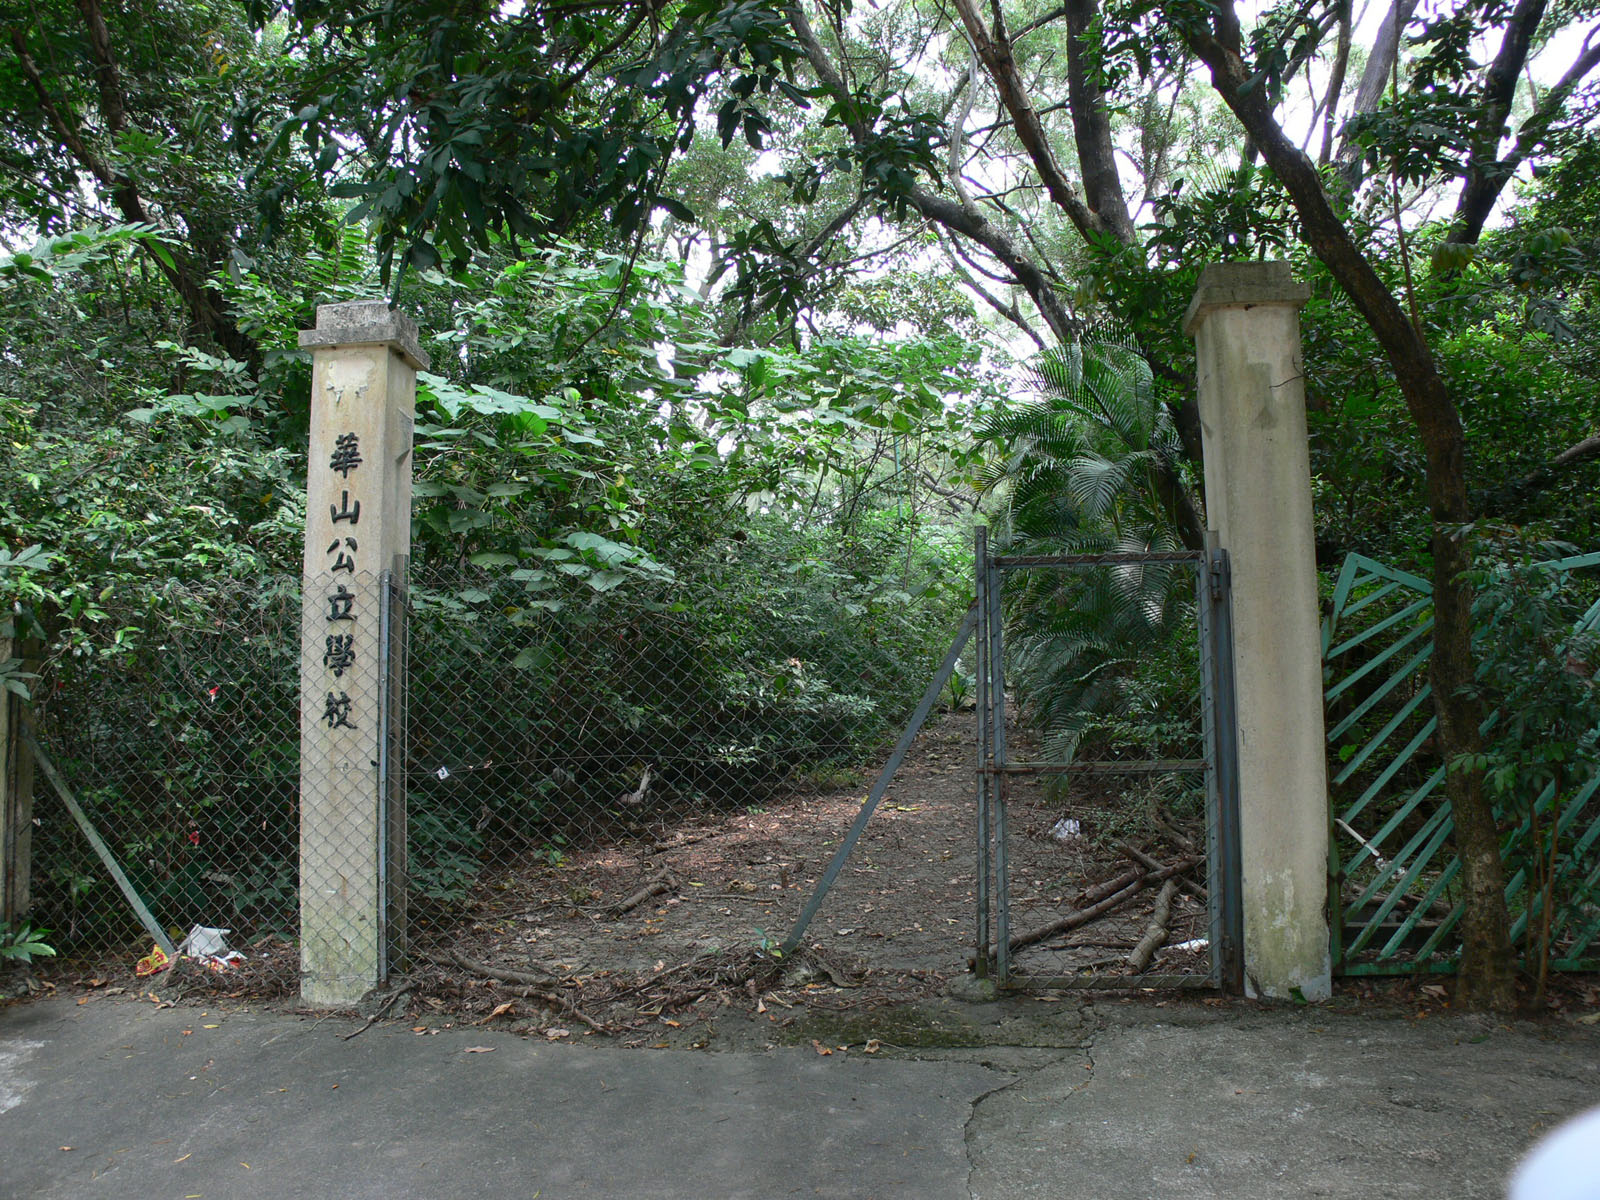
(997, 706)
(1228, 949)
(391, 771)
(16, 804)
(981, 947)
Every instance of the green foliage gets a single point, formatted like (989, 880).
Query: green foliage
(776, 655)
(443, 854)
(1539, 671)
(23, 943)
(590, 461)
(1074, 473)
(498, 126)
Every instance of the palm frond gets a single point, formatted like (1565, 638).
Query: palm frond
(1070, 472)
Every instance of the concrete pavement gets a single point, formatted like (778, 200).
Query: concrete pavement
(203, 1104)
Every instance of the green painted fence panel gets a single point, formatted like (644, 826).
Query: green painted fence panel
(1395, 882)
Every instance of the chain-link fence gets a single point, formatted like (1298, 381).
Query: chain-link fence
(181, 742)
(1108, 832)
(534, 727)
(527, 725)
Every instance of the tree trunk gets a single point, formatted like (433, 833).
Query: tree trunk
(1486, 979)
(1097, 155)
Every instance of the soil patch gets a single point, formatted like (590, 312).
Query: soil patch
(663, 937)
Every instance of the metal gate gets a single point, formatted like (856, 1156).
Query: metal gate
(1066, 826)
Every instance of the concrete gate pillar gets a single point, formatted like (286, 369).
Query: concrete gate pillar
(365, 359)
(1245, 319)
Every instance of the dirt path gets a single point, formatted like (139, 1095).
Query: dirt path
(897, 926)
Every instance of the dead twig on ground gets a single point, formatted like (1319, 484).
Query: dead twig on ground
(653, 980)
(382, 1010)
(661, 881)
(679, 843)
(1155, 933)
(559, 1002)
(503, 974)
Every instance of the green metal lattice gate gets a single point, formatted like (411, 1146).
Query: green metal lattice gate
(1394, 876)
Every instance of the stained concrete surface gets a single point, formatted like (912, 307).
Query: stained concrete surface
(1115, 1102)
(1285, 1103)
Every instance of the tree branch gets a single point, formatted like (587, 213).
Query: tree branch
(1341, 63)
(1485, 175)
(70, 136)
(997, 60)
(1483, 184)
(978, 228)
(1330, 240)
(1010, 312)
(207, 315)
(1091, 127)
(951, 214)
(1374, 79)
(106, 76)
(1509, 497)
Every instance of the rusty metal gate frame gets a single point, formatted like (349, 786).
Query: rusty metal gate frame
(992, 957)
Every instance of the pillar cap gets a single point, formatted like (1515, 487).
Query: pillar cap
(366, 323)
(1243, 285)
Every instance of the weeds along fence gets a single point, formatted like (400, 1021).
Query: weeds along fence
(533, 727)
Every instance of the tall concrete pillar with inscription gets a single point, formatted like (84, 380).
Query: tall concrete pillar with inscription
(365, 359)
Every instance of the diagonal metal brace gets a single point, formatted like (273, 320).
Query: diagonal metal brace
(881, 784)
(140, 909)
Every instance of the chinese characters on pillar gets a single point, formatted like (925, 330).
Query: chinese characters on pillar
(342, 613)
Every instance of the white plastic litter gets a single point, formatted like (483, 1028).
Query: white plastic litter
(210, 945)
(1192, 944)
(204, 941)
(1068, 829)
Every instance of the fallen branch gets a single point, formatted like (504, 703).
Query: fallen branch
(1163, 821)
(503, 974)
(679, 843)
(1144, 860)
(1098, 892)
(1155, 933)
(558, 1001)
(1078, 916)
(1083, 916)
(660, 882)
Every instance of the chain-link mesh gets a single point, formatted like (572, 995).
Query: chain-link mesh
(522, 728)
(1107, 820)
(181, 741)
(535, 727)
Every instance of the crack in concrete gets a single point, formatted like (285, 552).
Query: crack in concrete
(1022, 1075)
